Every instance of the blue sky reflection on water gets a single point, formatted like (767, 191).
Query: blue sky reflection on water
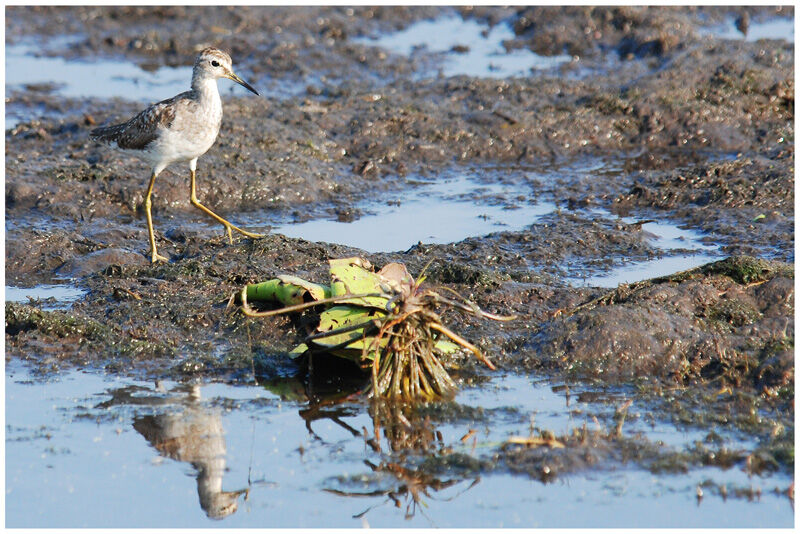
(781, 28)
(83, 439)
(479, 49)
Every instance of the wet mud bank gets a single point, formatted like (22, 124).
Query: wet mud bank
(654, 119)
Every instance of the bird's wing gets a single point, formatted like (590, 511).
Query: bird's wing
(142, 129)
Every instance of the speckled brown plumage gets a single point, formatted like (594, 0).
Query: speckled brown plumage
(138, 132)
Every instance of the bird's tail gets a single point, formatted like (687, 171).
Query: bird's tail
(105, 133)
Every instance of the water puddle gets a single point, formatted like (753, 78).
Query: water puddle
(50, 296)
(468, 48)
(189, 455)
(665, 236)
(27, 66)
(632, 272)
(441, 211)
(92, 79)
(779, 28)
(461, 205)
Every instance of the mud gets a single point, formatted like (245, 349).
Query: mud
(698, 130)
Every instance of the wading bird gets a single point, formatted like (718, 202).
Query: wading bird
(179, 129)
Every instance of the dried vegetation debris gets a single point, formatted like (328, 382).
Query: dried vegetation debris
(584, 449)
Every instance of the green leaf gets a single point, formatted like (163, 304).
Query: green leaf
(349, 277)
(275, 291)
(299, 350)
(355, 355)
(342, 316)
(445, 346)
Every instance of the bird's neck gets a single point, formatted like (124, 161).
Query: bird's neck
(206, 88)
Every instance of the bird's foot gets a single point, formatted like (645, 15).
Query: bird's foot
(157, 257)
(251, 235)
(245, 233)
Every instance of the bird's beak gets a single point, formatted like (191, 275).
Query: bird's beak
(241, 82)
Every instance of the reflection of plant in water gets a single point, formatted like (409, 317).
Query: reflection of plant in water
(400, 434)
(324, 392)
(403, 428)
(407, 436)
(412, 484)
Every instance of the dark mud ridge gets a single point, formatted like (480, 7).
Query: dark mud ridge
(700, 130)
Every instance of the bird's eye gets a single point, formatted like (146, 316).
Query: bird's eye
(215, 63)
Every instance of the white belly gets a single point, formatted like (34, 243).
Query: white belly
(177, 145)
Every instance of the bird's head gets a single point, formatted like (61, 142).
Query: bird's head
(214, 63)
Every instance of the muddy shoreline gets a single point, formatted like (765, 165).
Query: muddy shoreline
(700, 130)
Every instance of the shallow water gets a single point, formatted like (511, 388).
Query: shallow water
(631, 272)
(54, 296)
(484, 56)
(780, 28)
(99, 78)
(102, 78)
(176, 453)
(665, 236)
(465, 204)
(441, 211)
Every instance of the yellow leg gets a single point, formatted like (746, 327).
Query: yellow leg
(154, 256)
(228, 226)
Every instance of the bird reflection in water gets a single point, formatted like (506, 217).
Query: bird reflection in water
(190, 432)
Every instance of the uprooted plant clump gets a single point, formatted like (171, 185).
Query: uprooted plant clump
(382, 321)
